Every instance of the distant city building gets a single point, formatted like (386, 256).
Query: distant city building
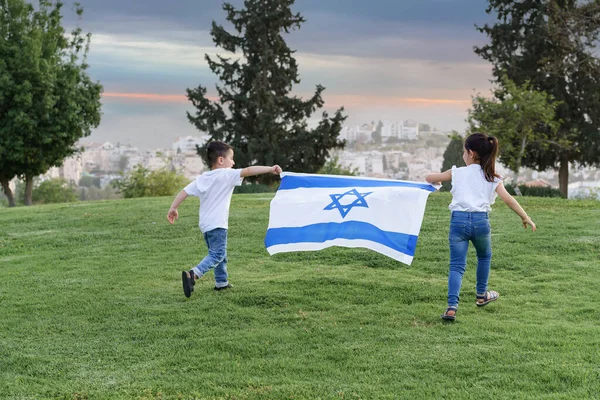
(584, 190)
(71, 170)
(188, 144)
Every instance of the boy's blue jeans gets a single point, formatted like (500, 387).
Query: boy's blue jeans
(216, 240)
(465, 227)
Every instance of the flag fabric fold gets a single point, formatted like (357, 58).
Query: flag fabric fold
(313, 212)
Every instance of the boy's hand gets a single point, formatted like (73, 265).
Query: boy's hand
(528, 221)
(276, 170)
(172, 215)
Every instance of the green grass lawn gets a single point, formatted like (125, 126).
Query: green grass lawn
(91, 306)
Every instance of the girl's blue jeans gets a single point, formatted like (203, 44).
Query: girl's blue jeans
(216, 240)
(465, 227)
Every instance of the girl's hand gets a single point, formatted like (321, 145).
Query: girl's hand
(528, 221)
(276, 170)
(172, 215)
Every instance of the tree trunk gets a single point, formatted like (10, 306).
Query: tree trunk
(563, 176)
(7, 192)
(28, 189)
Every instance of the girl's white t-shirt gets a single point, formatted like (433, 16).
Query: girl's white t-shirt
(471, 191)
(214, 188)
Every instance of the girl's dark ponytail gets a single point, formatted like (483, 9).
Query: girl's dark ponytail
(486, 149)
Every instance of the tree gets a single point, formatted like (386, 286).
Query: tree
(48, 102)
(376, 135)
(124, 162)
(88, 181)
(256, 113)
(7, 172)
(333, 167)
(453, 156)
(519, 117)
(551, 45)
(424, 128)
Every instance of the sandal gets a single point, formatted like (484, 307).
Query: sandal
(487, 297)
(447, 316)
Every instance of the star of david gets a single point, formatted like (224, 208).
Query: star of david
(344, 209)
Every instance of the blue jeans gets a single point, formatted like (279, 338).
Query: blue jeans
(216, 240)
(465, 227)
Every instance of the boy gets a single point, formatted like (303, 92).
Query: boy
(214, 188)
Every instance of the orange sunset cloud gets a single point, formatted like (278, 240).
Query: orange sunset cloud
(330, 101)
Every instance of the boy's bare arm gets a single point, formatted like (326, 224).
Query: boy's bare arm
(514, 205)
(259, 170)
(173, 214)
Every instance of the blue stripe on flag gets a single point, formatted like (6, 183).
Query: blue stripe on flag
(315, 181)
(319, 233)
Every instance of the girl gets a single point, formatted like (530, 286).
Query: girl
(474, 189)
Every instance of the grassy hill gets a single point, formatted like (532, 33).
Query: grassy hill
(91, 306)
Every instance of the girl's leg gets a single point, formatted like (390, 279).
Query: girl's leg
(216, 240)
(459, 244)
(482, 240)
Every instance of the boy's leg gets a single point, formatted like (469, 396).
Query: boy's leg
(216, 252)
(459, 244)
(482, 240)
(221, 269)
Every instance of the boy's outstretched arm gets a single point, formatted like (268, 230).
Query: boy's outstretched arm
(173, 214)
(259, 170)
(514, 205)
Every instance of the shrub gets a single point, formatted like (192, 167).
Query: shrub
(534, 191)
(142, 182)
(55, 190)
(256, 188)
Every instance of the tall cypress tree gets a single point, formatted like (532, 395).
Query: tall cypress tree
(256, 112)
(453, 156)
(551, 44)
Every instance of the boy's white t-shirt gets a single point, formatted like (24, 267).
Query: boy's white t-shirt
(214, 188)
(471, 191)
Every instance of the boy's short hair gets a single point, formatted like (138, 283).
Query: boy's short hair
(216, 149)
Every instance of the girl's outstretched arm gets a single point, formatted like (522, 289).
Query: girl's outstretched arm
(439, 177)
(514, 205)
(173, 214)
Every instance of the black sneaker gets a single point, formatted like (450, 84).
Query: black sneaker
(224, 287)
(187, 281)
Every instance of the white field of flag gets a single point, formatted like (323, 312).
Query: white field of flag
(313, 212)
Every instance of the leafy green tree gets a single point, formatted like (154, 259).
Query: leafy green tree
(333, 167)
(519, 117)
(54, 191)
(453, 156)
(142, 182)
(47, 101)
(552, 44)
(256, 113)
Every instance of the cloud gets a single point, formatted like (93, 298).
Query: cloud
(380, 59)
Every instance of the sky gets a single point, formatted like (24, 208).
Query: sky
(380, 59)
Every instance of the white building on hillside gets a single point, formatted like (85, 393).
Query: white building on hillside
(188, 144)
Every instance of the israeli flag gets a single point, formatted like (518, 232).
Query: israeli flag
(313, 212)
